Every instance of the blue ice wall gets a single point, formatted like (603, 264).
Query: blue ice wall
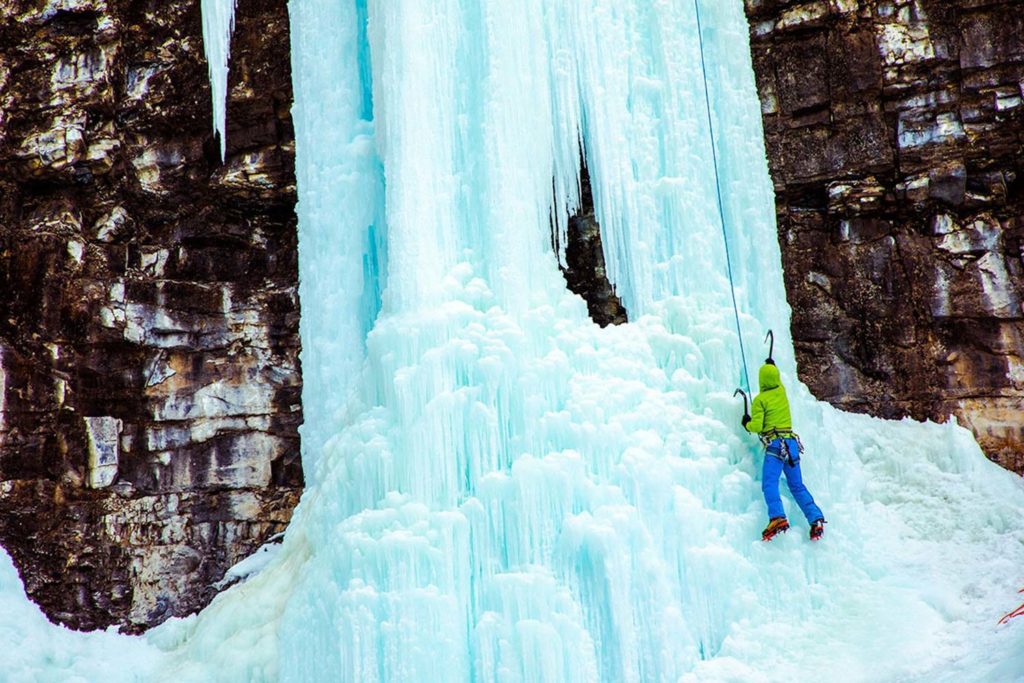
(507, 492)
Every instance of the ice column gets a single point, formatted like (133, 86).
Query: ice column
(341, 194)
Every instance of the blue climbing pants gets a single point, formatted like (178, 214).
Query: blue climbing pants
(773, 468)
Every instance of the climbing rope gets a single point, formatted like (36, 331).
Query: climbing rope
(718, 191)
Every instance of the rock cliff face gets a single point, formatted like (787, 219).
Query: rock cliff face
(894, 131)
(149, 385)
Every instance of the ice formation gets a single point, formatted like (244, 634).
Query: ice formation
(499, 490)
(218, 25)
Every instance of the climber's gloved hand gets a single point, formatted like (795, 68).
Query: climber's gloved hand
(745, 419)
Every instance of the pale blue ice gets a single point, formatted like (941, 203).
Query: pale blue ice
(499, 490)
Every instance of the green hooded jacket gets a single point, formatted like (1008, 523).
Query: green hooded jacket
(770, 409)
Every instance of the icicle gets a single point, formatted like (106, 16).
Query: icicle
(218, 24)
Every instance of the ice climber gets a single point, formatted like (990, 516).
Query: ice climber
(770, 420)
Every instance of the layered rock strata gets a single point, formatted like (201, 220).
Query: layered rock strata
(149, 384)
(894, 132)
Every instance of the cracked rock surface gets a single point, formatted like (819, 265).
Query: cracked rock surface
(149, 377)
(894, 132)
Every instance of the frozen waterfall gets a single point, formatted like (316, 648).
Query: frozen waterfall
(500, 490)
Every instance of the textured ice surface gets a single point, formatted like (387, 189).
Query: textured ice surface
(502, 491)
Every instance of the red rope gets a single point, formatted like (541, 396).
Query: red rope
(1015, 613)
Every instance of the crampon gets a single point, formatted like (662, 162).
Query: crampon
(775, 526)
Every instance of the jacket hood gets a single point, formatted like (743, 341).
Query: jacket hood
(768, 377)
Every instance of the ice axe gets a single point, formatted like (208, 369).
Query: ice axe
(746, 411)
(771, 349)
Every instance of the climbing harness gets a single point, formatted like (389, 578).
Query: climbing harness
(783, 436)
(718, 190)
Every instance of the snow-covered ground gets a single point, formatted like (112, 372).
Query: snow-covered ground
(499, 490)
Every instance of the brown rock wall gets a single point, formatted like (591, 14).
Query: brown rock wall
(894, 131)
(149, 385)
